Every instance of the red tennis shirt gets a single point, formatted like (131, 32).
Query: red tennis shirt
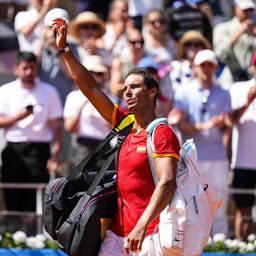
(135, 184)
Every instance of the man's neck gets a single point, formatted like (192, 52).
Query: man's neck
(28, 85)
(206, 84)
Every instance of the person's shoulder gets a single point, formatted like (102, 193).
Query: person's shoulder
(9, 86)
(47, 88)
(224, 25)
(242, 85)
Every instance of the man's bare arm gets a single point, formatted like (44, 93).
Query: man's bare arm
(81, 76)
(162, 195)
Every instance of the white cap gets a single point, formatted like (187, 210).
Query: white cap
(204, 56)
(245, 4)
(94, 63)
(55, 13)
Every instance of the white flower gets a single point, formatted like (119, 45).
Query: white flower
(19, 236)
(41, 237)
(34, 243)
(219, 237)
(235, 243)
(242, 245)
(210, 242)
(251, 237)
(250, 247)
(229, 243)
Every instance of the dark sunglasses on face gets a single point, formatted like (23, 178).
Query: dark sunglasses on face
(89, 26)
(136, 42)
(194, 44)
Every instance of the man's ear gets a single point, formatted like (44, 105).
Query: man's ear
(153, 91)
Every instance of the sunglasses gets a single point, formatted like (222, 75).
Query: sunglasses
(157, 22)
(194, 44)
(136, 42)
(89, 26)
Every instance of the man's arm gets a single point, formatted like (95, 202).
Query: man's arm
(237, 114)
(162, 195)
(8, 121)
(81, 76)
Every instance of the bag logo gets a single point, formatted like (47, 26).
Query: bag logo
(205, 187)
(177, 242)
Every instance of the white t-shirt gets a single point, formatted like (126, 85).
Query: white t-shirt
(92, 124)
(46, 106)
(30, 42)
(243, 136)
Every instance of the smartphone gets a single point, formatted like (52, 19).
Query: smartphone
(29, 108)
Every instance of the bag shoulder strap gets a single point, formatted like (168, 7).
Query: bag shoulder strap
(124, 127)
(150, 129)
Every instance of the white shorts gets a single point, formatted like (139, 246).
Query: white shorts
(113, 245)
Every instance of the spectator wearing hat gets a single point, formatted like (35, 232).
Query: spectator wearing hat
(87, 29)
(187, 47)
(234, 42)
(82, 119)
(243, 161)
(203, 111)
(29, 24)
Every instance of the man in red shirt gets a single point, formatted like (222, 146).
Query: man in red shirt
(139, 201)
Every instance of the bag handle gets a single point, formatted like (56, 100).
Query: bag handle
(124, 124)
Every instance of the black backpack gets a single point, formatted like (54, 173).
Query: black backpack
(79, 208)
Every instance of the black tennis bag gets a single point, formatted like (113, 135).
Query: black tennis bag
(79, 208)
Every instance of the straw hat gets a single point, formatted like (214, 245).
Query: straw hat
(86, 18)
(94, 63)
(191, 35)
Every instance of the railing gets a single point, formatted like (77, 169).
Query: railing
(39, 199)
(39, 187)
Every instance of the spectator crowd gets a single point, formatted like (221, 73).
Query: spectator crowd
(202, 53)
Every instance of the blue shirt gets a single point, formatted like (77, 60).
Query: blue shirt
(200, 107)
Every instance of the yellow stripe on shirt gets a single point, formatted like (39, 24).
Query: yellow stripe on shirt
(167, 155)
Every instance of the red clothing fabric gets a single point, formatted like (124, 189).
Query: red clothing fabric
(135, 183)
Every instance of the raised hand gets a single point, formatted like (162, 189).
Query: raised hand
(60, 27)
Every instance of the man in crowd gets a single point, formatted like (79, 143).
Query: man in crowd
(203, 111)
(243, 151)
(234, 42)
(30, 113)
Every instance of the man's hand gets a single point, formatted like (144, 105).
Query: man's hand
(60, 27)
(53, 164)
(136, 238)
(251, 95)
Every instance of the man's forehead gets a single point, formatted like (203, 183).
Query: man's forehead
(133, 79)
